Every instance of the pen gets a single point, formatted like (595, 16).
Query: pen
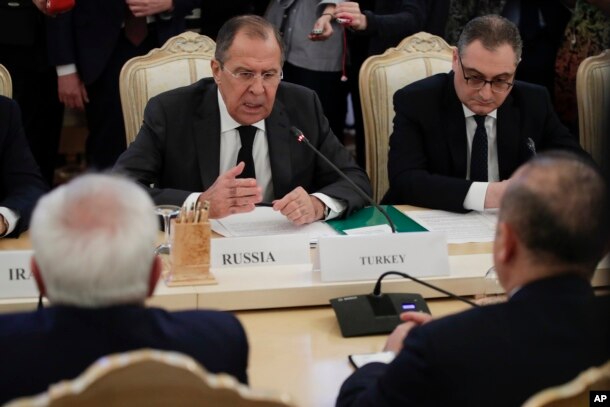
(269, 204)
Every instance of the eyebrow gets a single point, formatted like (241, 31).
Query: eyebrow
(483, 76)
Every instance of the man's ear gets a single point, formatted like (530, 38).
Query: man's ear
(505, 244)
(155, 274)
(454, 61)
(38, 277)
(216, 68)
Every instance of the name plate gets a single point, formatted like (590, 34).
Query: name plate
(16, 279)
(420, 254)
(260, 251)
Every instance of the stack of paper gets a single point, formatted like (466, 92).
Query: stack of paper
(264, 221)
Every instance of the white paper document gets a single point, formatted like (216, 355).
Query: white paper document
(264, 221)
(459, 227)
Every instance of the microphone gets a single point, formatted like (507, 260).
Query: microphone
(302, 139)
(377, 313)
(377, 290)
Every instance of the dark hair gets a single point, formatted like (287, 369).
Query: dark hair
(558, 208)
(253, 26)
(492, 30)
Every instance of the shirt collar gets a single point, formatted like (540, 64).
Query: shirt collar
(227, 122)
(470, 113)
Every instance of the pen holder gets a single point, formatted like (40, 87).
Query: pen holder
(189, 254)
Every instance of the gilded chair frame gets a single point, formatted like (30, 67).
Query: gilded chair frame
(416, 57)
(6, 84)
(181, 61)
(593, 98)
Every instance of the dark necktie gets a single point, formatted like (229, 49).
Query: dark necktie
(478, 152)
(246, 134)
(135, 28)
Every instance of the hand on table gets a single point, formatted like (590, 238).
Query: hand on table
(229, 195)
(300, 207)
(397, 337)
(3, 226)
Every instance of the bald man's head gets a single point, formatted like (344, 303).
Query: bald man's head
(557, 206)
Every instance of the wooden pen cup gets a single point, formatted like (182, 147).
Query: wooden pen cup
(189, 255)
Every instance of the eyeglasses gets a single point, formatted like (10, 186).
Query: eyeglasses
(248, 77)
(497, 85)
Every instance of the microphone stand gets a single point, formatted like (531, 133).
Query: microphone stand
(302, 139)
(377, 290)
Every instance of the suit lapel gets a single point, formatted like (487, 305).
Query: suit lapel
(280, 145)
(206, 133)
(508, 137)
(456, 131)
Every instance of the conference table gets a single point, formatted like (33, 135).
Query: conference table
(296, 347)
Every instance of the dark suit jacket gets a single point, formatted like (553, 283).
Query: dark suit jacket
(87, 34)
(57, 343)
(178, 146)
(20, 181)
(497, 355)
(427, 158)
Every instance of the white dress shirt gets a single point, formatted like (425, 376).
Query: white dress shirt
(475, 198)
(230, 143)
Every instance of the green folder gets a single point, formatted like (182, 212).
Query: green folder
(370, 216)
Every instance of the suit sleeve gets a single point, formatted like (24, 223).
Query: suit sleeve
(414, 144)
(143, 160)
(60, 39)
(21, 183)
(409, 17)
(327, 180)
(555, 134)
(408, 381)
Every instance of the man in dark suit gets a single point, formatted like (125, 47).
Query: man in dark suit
(20, 181)
(458, 137)
(552, 231)
(89, 46)
(93, 243)
(193, 137)
(23, 52)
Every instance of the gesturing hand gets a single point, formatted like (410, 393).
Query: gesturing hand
(229, 195)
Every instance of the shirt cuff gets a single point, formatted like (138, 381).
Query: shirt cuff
(63, 70)
(336, 206)
(11, 217)
(191, 200)
(475, 198)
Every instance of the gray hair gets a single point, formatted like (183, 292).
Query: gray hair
(253, 26)
(93, 240)
(492, 30)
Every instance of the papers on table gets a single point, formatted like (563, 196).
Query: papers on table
(264, 221)
(459, 227)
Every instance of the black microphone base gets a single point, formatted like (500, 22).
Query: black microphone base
(360, 315)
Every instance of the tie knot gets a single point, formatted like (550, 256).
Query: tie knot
(479, 119)
(246, 134)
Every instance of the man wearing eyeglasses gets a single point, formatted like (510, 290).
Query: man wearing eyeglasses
(227, 139)
(458, 137)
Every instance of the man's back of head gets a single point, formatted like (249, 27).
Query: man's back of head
(557, 208)
(93, 241)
